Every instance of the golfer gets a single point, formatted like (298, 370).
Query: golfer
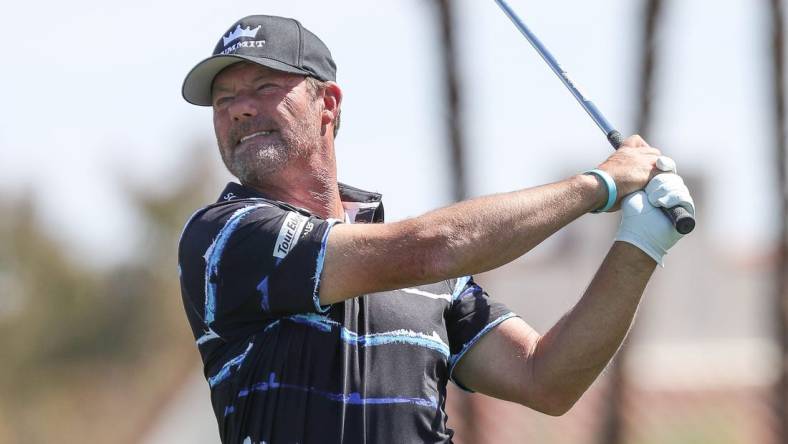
(319, 323)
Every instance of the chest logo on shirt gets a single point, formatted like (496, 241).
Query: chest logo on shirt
(289, 234)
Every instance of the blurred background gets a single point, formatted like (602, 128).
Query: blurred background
(102, 162)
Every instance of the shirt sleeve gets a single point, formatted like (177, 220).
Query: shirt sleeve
(243, 262)
(472, 314)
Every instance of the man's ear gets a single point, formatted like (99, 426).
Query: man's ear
(332, 100)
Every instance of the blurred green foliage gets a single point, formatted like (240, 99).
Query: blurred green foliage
(90, 355)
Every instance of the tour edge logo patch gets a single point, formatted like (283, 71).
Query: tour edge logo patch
(289, 234)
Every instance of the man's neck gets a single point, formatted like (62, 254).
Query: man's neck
(307, 186)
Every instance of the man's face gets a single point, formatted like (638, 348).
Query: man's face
(263, 120)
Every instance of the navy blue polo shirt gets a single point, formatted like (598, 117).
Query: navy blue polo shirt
(284, 369)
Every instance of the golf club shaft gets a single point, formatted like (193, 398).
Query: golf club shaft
(682, 220)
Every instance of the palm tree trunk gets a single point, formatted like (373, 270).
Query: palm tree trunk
(613, 427)
(466, 406)
(451, 83)
(781, 296)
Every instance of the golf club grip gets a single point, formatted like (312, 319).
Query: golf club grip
(681, 219)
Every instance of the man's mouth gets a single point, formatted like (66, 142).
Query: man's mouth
(253, 135)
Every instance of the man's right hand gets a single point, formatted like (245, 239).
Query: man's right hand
(632, 166)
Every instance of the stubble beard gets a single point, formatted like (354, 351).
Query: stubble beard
(255, 163)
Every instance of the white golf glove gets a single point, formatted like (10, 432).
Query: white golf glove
(643, 224)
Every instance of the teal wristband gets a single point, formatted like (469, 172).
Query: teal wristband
(612, 191)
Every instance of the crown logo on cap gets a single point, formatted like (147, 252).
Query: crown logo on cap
(241, 32)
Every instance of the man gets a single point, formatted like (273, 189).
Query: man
(317, 322)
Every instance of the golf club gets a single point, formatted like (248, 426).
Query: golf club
(682, 220)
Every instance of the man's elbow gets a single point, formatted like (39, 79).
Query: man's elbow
(551, 402)
(556, 406)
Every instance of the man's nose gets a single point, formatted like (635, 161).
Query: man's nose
(242, 108)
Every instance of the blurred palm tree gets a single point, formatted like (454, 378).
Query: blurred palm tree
(467, 408)
(781, 296)
(612, 431)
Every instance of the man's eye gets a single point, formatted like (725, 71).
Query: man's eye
(265, 86)
(223, 100)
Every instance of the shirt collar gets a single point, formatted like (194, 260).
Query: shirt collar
(361, 206)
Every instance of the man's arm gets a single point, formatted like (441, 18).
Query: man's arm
(549, 373)
(463, 239)
(473, 236)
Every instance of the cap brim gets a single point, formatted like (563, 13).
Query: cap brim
(198, 82)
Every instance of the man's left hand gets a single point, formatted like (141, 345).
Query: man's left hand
(643, 224)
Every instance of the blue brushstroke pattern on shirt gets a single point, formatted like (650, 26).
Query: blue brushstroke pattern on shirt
(262, 288)
(321, 256)
(213, 256)
(459, 287)
(324, 324)
(227, 368)
(353, 398)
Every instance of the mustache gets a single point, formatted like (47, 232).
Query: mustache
(249, 126)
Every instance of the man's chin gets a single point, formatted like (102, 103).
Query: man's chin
(254, 166)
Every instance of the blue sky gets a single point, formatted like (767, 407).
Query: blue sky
(93, 93)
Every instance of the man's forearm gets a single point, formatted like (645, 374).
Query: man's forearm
(466, 238)
(572, 354)
(484, 233)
